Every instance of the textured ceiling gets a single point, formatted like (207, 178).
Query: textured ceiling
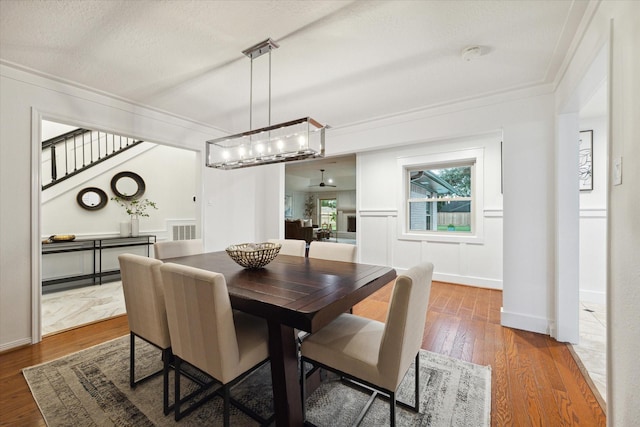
(339, 62)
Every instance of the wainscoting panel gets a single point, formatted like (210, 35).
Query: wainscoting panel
(455, 262)
(593, 255)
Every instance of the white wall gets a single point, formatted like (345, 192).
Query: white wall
(593, 218)
(477, 261)
(623, 294)
(243, 205)
(528, 238)
(171, 186)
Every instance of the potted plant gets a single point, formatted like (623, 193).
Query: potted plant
(451, 227)
(309, 204)
(135, 209)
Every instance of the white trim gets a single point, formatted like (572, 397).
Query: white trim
(68, 87)
(14, 344)
(474, 282)
(480, 282)
(593, 213)
(36, 241)
(525, 322)
(377, 212)
(493, 213)
(447, 107)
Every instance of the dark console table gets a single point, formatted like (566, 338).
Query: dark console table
(96, 246)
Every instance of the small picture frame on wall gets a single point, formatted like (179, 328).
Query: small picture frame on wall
(585, 160)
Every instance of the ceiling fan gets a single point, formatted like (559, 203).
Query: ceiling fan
(322, 184)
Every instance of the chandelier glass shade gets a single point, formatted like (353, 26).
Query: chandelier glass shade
(294, 140)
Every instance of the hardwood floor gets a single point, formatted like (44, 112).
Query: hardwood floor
(535, 380)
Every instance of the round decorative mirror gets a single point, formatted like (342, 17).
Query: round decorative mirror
(92, 198)
(127, 185)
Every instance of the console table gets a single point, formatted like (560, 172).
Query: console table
(96, 247)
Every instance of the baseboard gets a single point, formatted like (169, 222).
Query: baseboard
(525, 322)
(480, 282)
(15, 344)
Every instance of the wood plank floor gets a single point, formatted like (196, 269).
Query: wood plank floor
(535, 380)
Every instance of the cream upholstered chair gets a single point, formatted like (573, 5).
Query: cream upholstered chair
(291, 246)
(144, 302)
(210, 336)
(332, 251)
(176, 248)
(373, 353)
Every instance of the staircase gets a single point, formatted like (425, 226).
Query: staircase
(69, 154)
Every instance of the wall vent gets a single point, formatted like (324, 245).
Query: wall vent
(184, 232)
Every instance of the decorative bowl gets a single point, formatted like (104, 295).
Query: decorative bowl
(253, 255)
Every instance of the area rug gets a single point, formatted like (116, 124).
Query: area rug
(91, 388)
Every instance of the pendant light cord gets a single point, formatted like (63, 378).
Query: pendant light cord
(251, 97)
(269, 87)
(251, 93)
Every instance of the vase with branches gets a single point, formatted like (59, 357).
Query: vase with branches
(135, 208)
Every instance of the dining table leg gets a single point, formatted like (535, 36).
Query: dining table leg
(283, 353)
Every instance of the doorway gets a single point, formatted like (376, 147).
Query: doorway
(581, 292)
(82, 284)
(324, 191)
(591, 348)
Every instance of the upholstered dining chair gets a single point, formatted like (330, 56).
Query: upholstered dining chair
(176, 248)
(372, 353)
(332, 251)
(144, 302)
(206, 333)
(293, 247)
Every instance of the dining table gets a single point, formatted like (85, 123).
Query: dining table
(292, 292)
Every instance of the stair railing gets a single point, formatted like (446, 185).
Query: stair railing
(78, 150)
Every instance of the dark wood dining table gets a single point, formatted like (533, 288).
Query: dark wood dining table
(292, 293)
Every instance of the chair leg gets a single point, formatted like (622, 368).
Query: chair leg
(176, 396)
(166, 358)
(303, 391)
(132, 366)
(392, 409)
(226, 409)
(417, 376)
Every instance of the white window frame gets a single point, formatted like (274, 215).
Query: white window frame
(473, 156)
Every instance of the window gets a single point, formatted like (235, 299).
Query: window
(328, 213)
(440, 198)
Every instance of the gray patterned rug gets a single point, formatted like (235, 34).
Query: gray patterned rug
(91, 387)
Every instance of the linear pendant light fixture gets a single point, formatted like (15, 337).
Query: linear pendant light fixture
(294, 140)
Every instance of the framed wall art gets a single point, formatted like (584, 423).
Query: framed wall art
(585, 160)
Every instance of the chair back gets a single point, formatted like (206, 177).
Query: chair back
(200, 319)
(291, 246)
(404, 327)
(144, 298)
(332, 251)
(176, 248)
